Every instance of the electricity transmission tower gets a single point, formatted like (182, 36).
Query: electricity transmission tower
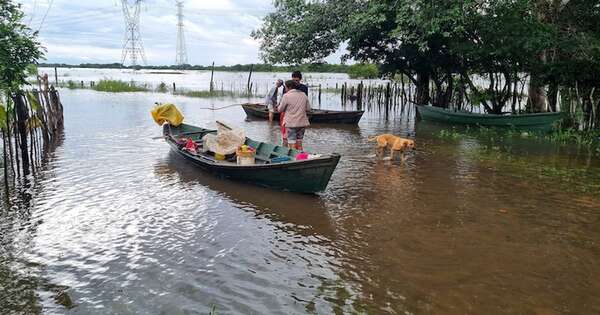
(181, 54)
(132, 47)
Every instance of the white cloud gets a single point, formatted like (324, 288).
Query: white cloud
(209, 5)
(93, 30)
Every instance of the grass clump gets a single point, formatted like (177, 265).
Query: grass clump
(450, 134)
(117, 86)
(71, 85)
(574, 136)
(162, 88)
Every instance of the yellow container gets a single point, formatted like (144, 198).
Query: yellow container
(219, 157)
(245, 157)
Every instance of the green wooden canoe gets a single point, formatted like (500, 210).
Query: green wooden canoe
(305, 176)
(539, 121)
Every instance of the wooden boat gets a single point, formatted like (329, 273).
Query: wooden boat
(305, 176)
(314, 116)
(539, 121)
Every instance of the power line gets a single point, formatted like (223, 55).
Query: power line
(45, 14)
(77, 16)
(181, 53)
(133, 46)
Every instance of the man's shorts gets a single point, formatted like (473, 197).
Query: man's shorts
(295, 134)
(271, 108)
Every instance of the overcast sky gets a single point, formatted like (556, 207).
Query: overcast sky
(92, 31)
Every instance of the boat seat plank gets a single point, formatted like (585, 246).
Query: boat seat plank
(265, 150)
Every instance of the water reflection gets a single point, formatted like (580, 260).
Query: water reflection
(23, 283)
(304, 214)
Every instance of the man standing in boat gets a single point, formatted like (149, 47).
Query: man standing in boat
(271, 98)
(297, 77)
(294, 107)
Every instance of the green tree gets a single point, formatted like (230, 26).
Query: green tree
(19, 47)
(447, 42)
(409, 37)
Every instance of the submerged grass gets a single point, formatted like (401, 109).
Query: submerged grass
(570, 135)
(117, 86)
(582, 179)
(70, 84)
(563, 136)
(508, 150)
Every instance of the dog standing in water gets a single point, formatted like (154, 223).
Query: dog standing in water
(394, 143)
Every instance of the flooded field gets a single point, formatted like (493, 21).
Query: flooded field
(199, 79)
(465, 226)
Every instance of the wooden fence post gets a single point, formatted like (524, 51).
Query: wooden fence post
(22, 116)
(212, 72)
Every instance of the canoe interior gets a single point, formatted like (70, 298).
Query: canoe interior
(265, 151)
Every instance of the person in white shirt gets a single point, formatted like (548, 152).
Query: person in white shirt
(271, 98)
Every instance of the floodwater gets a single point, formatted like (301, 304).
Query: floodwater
(199, 79)
(123, 226)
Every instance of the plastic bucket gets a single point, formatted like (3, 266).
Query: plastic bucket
(245, 158)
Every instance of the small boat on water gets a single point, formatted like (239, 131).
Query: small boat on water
(314, 116)
(536, 122)
(275, 166)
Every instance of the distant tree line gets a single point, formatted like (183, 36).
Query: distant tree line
(309, 67)
(483, 52)
(358, 71)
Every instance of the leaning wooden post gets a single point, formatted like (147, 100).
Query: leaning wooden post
(5, 164)
(55, 76)
(250, 76)
(359, 96)
(387, 100)
(212, 72)
(319, 94)
(58, 108)
(174, 87)
(22, 116)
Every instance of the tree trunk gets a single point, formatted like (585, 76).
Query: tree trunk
(422, 97)
(449, 91)
(553, 97)
(537, 94)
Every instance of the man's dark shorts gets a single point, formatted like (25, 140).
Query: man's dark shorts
(295, 134)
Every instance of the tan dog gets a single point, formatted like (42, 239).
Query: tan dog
(394, 143)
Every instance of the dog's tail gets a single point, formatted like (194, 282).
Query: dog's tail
(372, 139)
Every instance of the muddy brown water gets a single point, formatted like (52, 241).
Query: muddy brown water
(123, 226)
